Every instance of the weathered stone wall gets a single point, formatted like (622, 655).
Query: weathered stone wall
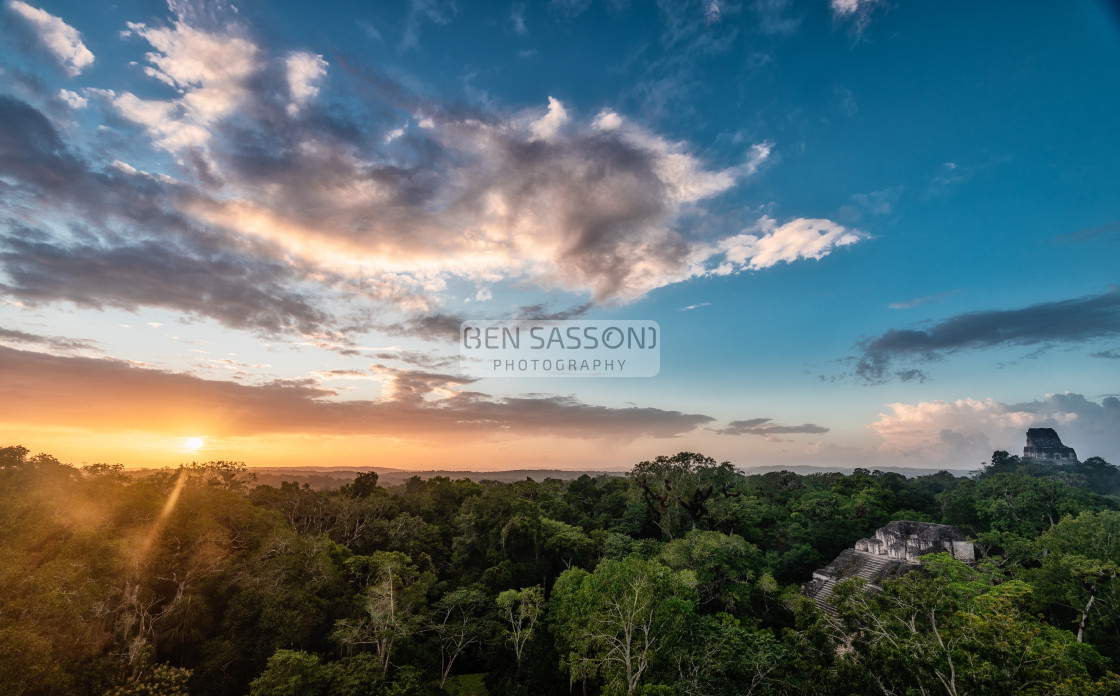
(907, 540)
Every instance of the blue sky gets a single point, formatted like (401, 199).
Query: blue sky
(873, 233)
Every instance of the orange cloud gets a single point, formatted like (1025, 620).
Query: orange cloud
(106, 394)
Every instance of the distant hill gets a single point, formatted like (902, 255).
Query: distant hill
(325, 478)
(333, 477)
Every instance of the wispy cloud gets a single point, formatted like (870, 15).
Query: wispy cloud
(856, 12)
(776, 16)
(54, 343)
(919, 301)
(698, 305)
(1109, 231)
(420, 11)
(62, 40)
(1066, 321)
(768, 244)
(517, 19)
(767, 428)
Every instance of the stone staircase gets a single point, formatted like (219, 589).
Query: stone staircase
(822, 595)
(871, 567)
(867, 566)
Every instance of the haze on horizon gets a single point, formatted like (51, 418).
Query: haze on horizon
(873, 234)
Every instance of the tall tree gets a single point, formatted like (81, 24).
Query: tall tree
(521, 609)
(618, 621)
(679, 490)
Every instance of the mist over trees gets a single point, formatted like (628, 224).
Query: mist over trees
(682, 577)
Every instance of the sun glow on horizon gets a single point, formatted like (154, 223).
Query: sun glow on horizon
(193, 444)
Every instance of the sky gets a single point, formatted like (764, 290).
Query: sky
(879, 233)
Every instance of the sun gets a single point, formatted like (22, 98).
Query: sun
(194, 443)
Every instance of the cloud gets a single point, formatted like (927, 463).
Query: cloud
(72, 99)
(695, 306)
(1066, 321)
(517, 20)
(305, 70)
(57, 343)
(969, 430)
(547, 126)
(428, 361)
(769, 244)
(430, 327)
(467, 198)
(62, 40)
(858, 12)
(1108, 231)
(919, 301)
(210, 68)
(435, 11)
(243, 292)
(112, 394)
(332, 222)
(765, 427)
(539, 312)
(569, 9)
(773, 17)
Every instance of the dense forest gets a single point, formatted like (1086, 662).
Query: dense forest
(682, 577)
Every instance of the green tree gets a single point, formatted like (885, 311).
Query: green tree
(291, 673)
(521, 609)
(161, 680)
(951, 631)
(1079, 559)
(720, 657)
(724, 565)
(618, 621)
(459, 621)
(679, 490)
(394, 591)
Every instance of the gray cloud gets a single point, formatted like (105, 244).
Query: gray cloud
(1109, 231)
(240, 292)
(431, 327)
(768, 429)
(428, 361)
(103, 393)
(58, 343)
(918, 301)
(1066, 321)
(540, 312)
(198, 271)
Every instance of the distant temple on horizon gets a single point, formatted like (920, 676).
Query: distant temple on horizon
(1045, 445)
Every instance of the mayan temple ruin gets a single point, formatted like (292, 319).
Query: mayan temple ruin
(1044, 444)
(893, 551)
